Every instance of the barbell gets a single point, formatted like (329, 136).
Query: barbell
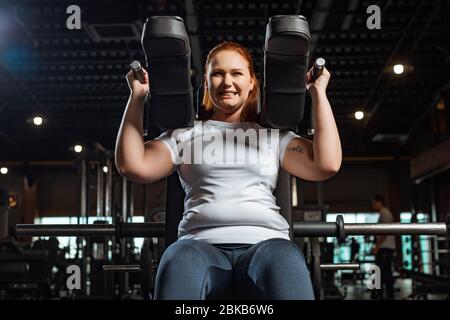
(337, 229)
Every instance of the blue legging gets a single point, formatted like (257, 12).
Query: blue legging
(273, 269)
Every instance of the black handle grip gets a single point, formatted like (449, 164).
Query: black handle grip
(138, 71)
(317, 70)
(139, 75)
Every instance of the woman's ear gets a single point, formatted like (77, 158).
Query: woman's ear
(252, 84)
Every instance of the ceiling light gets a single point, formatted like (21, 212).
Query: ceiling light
(37, 121)
(398, 69)
(359, 115)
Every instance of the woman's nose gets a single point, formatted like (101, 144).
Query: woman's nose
(228, 80)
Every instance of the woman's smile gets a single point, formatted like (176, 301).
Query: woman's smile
(228, 94)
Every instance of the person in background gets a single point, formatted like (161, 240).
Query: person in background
(384, 249)
(354, 249)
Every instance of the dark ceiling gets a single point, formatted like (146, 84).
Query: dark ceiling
(75, 79)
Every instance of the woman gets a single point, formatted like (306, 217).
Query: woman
(232, 243)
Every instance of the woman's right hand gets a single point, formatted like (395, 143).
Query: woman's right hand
(138, 89)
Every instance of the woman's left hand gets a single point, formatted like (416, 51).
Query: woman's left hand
(321, 83)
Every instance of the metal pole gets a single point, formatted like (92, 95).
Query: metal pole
(395, 228)
(320, 197)
(65, 230)
(123, 244)
(145, 205)
(339, 266)
(83, 214)
(131, 202)
(434, 217)
(415, 255)
(122, 268)
(301, 229)
(129, 242)
(83, 191)
(300, 197)
(108, 188)
(100, 193)
(124, 198)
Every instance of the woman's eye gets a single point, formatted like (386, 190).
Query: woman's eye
(237, 73)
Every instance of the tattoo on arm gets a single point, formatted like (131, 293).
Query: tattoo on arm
(296, 149)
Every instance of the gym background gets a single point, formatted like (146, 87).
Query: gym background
(63, 93)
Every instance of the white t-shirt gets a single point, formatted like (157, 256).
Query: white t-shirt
(386, 217)
(229, 181)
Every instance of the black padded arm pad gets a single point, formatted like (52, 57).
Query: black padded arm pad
(286, 52)
(168, 55)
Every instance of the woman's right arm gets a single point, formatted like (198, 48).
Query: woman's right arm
(138, 161)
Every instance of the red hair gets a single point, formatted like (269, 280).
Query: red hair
(250, 111)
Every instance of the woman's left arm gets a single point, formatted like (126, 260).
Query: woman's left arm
(320, 159)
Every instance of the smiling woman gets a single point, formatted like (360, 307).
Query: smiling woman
(229, 207)
(231, 233)
(231, 89)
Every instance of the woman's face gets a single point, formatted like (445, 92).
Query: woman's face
(229, 81)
